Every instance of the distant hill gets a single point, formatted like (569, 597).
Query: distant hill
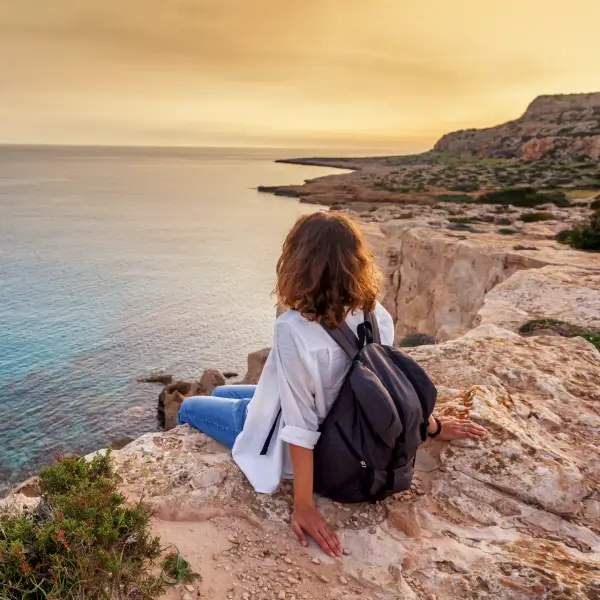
(562, 127)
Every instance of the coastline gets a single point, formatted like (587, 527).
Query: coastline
(88, 235)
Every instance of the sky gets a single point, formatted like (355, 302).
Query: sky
(393, 74)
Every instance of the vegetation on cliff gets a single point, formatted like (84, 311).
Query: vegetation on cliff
(584, 237)
(562, 328)
(81, 541)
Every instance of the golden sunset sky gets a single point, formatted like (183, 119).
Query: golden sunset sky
(303, 73)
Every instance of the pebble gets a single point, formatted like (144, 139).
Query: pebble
(245, 596)
(323, 579)
(343, 580)
(190, 588)
(315, 560)
(293, 580)
(281, 595)
(232, 539)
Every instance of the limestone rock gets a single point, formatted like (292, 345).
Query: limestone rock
(173, 395)
(163, 378)
(514, 514)
(438, 283)
(211, 378)
(556, 292)
(256, 362)
(435, 280)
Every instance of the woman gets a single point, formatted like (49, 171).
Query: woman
(325, 275)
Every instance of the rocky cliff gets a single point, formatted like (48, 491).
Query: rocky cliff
(562, 127)
(438, 280)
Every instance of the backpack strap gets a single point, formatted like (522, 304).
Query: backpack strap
(375, 336)
(344, 337)
(368, 333)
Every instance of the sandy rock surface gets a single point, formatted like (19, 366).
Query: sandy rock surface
(516, 516)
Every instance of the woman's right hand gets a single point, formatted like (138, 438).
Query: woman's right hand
(308, 520)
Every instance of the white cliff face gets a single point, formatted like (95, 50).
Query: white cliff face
(438, 281)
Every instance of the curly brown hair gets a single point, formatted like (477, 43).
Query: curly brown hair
(326, 270)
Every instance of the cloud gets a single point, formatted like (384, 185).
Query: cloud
(309, 69)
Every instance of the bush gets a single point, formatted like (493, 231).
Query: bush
(462, 198)
(525, 197)
(586, 237)
(464, 187)
(595, 205)
(412, 340)
(81, 541)
(561, 328)
(463, 227)
(460, 220)
(537, 216)
(507, 231)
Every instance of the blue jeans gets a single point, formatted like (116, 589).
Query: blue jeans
(220, 416)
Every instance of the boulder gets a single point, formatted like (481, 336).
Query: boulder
(170, 399)
(172, 396)
(256, 363)
(211, 378)
(163, 378)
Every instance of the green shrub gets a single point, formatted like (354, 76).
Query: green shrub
(464, 187)
(537, 216)
(593, 337)
(463, 227)
(81, 541)
(595, 205)
(460, 220)
(507, 231)
(504, 221)
(412, 340)
(561, 328)
(586, 237)
(525, 197)
(178, 569)
(462, 198)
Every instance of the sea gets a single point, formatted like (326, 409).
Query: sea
(119, 262)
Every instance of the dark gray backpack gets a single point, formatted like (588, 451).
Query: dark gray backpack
(370, 437)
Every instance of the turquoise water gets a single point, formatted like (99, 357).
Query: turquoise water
(118, 262)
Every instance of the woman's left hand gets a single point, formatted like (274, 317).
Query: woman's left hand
(455, 429)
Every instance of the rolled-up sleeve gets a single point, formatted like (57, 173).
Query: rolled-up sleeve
(296, 388)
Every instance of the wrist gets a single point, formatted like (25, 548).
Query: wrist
(303, 504)
(435, 427)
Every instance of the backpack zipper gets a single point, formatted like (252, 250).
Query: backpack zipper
(352, 451)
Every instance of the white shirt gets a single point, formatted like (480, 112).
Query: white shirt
(302, 377)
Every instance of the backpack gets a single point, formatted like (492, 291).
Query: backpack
(369, 439)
